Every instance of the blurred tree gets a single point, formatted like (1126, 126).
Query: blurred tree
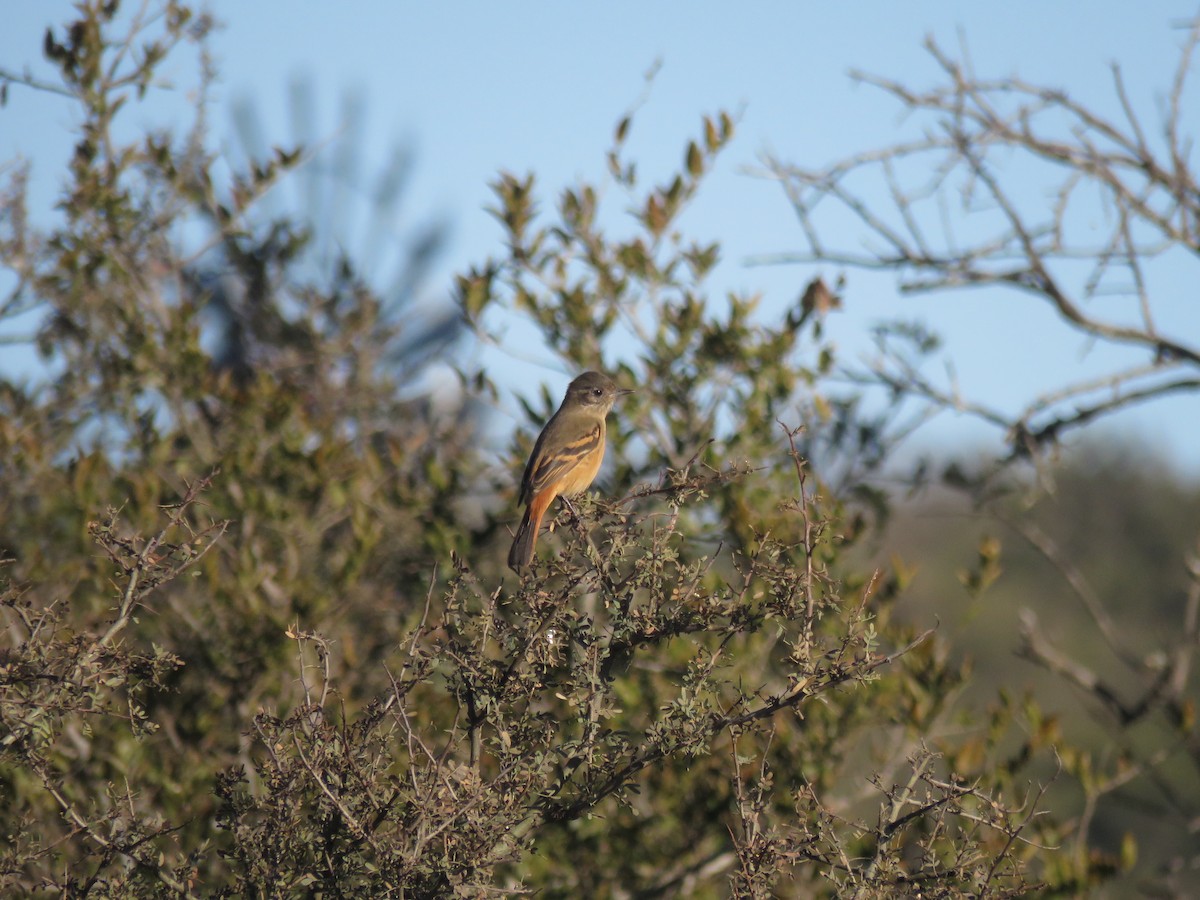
(351, 229)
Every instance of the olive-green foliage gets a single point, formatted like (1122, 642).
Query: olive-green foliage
(332, 494)
(1112, 539)
(258, 635)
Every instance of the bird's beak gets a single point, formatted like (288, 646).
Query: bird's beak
(623, 391)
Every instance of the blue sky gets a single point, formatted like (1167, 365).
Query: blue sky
(479, 87)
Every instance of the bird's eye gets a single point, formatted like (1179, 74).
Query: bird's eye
(597, 392)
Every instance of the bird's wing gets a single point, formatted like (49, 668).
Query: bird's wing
(571, 440)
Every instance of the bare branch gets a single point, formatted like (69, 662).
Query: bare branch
(26, 79)
(1024, 244)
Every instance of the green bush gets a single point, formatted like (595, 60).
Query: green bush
(260, 639)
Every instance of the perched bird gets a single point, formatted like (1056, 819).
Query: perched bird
(565, 458)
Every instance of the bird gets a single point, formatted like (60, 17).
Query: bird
(566, 457)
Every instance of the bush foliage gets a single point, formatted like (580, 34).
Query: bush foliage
(259, 636)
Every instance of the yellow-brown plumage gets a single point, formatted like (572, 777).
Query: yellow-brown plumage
(566, 457)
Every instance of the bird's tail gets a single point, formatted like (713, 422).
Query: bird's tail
(520, 554)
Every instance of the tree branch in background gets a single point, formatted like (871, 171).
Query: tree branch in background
(1018, 188)
(992, 150)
